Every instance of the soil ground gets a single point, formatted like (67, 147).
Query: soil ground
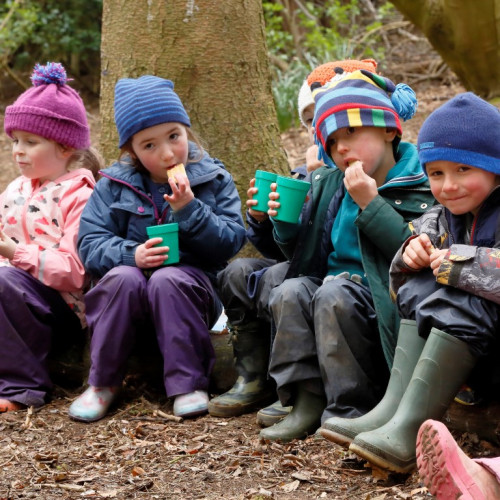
(138, 452)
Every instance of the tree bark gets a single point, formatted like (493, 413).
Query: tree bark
(215, 53)
(465, 34)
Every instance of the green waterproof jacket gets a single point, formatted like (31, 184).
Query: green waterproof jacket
(382, 228)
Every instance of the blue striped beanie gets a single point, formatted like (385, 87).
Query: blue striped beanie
(145, 102)
(361, 99)
(463, 130)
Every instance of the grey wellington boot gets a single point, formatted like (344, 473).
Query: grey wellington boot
(302, 421)
(252, 389)
(343, 430)
(443, 367)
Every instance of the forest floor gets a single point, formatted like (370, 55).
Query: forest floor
(138, 452)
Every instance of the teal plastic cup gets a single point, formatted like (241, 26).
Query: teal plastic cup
(170, 235)
(263, 181)
(293, 194)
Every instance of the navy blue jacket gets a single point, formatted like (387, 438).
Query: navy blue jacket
(114, 221)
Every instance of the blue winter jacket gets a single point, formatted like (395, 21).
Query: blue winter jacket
(114, 221)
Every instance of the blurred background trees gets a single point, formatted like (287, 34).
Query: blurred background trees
(50, 30)
(299, 33)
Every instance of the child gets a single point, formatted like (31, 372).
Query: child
(179, 301)
(334, 317)
(448, 472)
(247, 309)
(41, 276)
(446, 277)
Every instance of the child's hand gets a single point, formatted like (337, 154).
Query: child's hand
(181, 192)
(7, 246)
(147, 255)
(418, 251)
(436, 258)
(256, 214)
(361, 187)
(272, 203)
(312, 162)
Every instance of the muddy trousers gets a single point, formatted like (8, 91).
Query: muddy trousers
(327, 338)
(233, 281)
(180, 304)
(31, 316)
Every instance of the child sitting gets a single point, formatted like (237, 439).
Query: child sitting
(334, 317)
(135, 294)
(447, 281)
(41, 276)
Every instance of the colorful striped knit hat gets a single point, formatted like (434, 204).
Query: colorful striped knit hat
(145, 102)
(326, 72)
(360, 99)
(463, 130)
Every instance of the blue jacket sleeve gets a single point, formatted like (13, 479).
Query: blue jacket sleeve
(100, 244)
(212, 233)
(261, 237)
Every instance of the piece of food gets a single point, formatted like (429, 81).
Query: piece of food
(177, 170)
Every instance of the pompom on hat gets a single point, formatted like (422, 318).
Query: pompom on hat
(145, 102)
(462, 130)
(326, 72)
(50, 109)
(360, 99)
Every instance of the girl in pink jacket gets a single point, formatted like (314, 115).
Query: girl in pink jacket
(41, 276)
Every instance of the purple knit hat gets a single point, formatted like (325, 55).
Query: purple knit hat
(50, 109)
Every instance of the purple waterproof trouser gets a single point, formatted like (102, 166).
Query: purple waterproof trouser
(31, 315)
(179, 301)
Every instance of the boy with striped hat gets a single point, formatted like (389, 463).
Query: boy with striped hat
(336, 324)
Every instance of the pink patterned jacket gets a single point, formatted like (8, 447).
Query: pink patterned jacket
(43, 220)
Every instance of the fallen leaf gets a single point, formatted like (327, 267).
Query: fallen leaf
(291, 486)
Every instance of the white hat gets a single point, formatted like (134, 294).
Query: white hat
(305, 99)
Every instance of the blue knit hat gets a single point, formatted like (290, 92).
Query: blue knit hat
(361, 99)
(464, 130)
(145, 102)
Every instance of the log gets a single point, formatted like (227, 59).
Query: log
(483, 420)
(69, 365)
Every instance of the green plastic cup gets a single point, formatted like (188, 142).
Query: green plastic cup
(263, 181)
(170, 235)
(293, 194)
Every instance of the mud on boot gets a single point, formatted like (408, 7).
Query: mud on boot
(253, 389)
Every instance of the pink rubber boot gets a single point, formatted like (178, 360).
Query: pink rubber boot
(446, 470)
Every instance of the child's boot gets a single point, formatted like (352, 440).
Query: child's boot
(447, 472)
(93, 404)
(302, 421)
(443, 367)
(252, 389)
(343, 430)
(272, 414)
(7, 405)
(191, 404)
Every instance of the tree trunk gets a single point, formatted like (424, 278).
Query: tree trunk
(216, 55)
(465, 34)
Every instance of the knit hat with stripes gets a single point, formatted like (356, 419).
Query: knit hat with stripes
(361, 99)
(145, 102)
(323, 74)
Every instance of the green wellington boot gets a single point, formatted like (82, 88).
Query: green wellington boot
(443, 367)
(272, 414)
(252, 389)
(302, 421)
(343, 430)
